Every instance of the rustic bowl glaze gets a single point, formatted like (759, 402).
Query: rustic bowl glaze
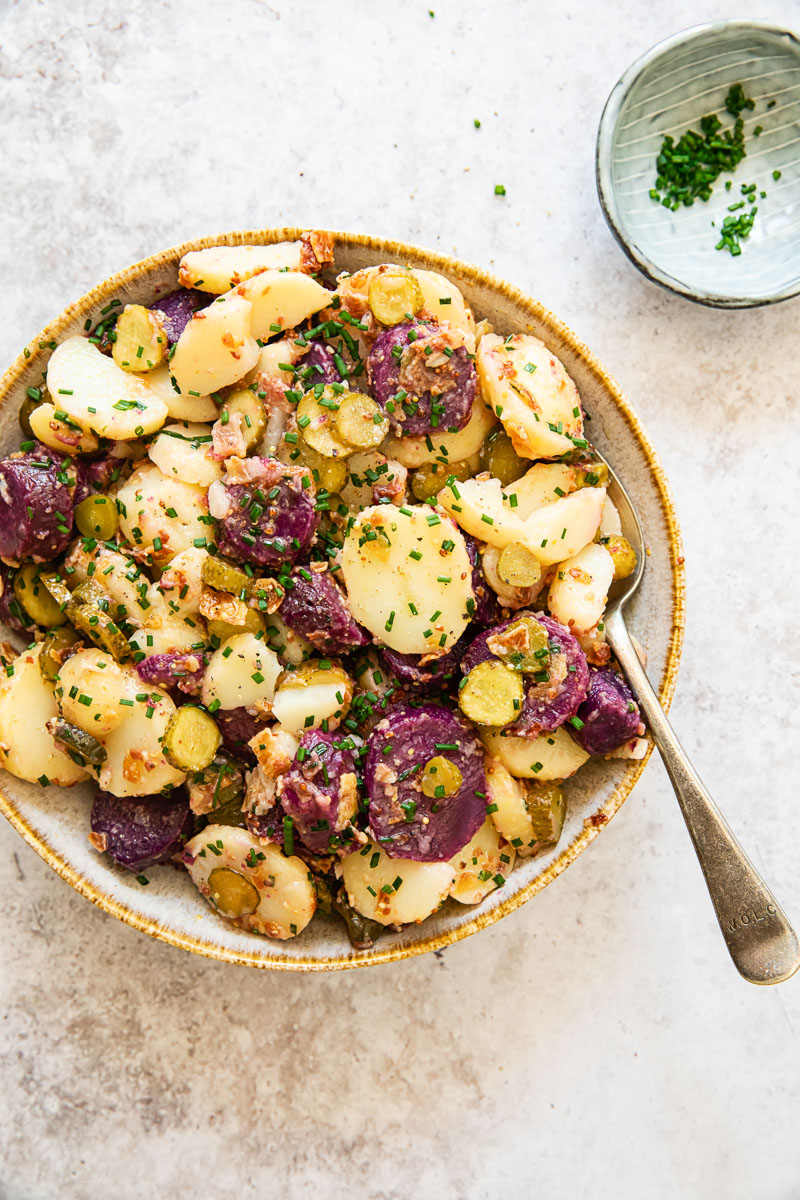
(55, 821)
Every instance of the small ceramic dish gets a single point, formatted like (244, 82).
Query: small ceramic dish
(55, 821)
(667, 91)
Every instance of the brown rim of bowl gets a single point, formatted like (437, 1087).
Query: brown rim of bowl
(100, 295)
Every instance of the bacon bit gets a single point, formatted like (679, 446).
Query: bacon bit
(266, 471)
(383, 905)
(598, 653)
(99, 841)
(596, 821)
(136, 765)
(228, 439)
(222, 606)
(274, 752)
(512, 641)
(391, 486)
(316, 250)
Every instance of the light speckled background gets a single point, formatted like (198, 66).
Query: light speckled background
(597, 1043)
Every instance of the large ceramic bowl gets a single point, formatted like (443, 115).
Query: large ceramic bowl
(55, 821)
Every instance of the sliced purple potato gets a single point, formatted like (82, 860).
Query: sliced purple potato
(141, 831)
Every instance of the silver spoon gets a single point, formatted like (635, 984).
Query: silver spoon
(760, 940)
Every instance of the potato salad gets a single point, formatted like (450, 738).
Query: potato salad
(306, 573)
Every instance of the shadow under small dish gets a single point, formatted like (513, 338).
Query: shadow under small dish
(667, 92)
(54, 820)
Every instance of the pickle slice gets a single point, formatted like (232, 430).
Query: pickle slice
(362, 931)
(24, 415)
(329, 474)
(89, 618)
(57, 588)
(546, 806)
(254, 418)
(491, 694)
(36, 598)
(97, 517)
(500, 459)
(523, 646)
(622, 553)
(51, 657)
(428, 480)
(140, 343)
(518, 567)
(393, 295)
(223, 576)
(591, 474)
(316, 417)
(78, 741)
(440, 777)
(360, 421)
(191, 739)
(231, 893)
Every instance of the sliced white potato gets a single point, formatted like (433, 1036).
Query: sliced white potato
(65, 436)
(251, 883)
(394, 891)
(411, 591)
(269, 361)
(290, 646)
(181, 585)
(511, 817)
(27, 703)
(99, 395)
(183, 450)
(550, 756)
(180, 407)
(578, 594)
(166, 634)
(532, 394)
(444, 302)
(480, 507)
(561, 529)
(241, 673)
(279, 298)
(156, 508)
(135, 763)
(220, 268)
(454, 447)
(91, 686)
(543, 484)
(216, 347)
(482, 865)
(311, 695)
(609, 522)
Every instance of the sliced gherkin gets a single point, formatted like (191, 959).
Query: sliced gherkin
(546, 806)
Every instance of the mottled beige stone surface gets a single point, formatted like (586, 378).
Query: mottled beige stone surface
(597, 1043)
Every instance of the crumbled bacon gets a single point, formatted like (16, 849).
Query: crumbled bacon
(316, 251)
(228, 439)
(99, 841)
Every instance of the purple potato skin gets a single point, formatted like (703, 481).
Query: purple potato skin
(315, 608)
(546, 706)
(609, 713)
(412, 735)
(182, 671)
(269, 825)
(31, 499)
(386, 379)
(430, 676)
(316, 789)
(178, 308)
(487, 606)
(141, 831)
(95, 476)
(283, 531)
(319, 357)
(237, 727)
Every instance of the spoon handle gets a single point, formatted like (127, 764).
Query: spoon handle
(760, 940)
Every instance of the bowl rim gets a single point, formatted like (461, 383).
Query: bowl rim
(462, 271)
(603, 173)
